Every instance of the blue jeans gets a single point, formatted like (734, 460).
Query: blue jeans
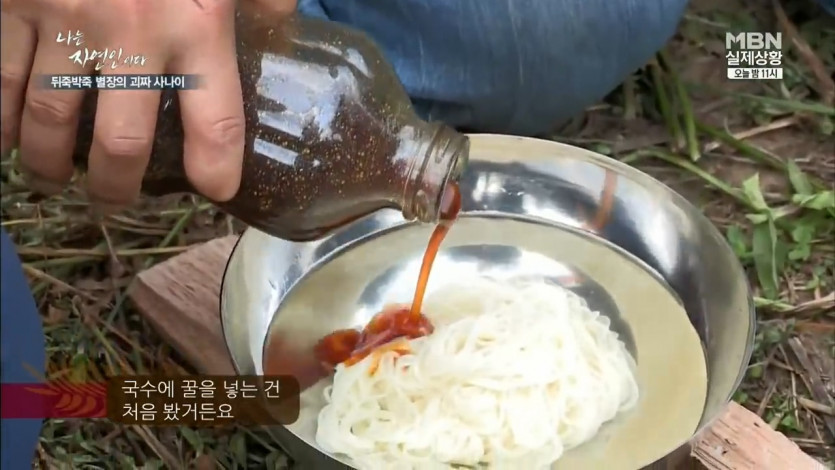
(509, 66)
(22, 355)
(828, 6)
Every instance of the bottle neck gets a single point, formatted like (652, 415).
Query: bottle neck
(435, 155)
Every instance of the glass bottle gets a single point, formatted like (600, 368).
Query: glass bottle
(331, 135)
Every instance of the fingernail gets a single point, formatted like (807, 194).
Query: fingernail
(41, 185)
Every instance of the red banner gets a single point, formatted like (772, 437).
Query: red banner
(54, 400)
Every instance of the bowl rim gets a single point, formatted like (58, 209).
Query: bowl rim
(636, 175)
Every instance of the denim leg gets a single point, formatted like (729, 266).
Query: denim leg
(22, 354)
(509, 66)
(828, 6)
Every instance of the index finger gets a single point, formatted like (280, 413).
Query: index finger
(213, 114)
(123, 137)
(17, 51)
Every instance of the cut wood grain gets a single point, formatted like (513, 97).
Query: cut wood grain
(740, 440)
(180, 298)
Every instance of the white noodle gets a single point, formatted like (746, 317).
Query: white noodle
(514, 375)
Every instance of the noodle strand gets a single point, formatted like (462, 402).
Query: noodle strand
(514, 375)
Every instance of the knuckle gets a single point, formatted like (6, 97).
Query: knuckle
(48, 109)
(211, 11)
(226, 132)
(125, 146)
(12, 78)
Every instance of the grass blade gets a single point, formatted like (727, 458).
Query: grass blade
(764, 249)
(665, 105)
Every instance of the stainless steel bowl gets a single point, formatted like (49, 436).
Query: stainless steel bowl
(528, 206)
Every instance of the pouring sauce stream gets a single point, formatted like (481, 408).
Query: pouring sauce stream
(351, 346)
(450, 207)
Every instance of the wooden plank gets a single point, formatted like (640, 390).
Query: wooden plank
(739, 440)
(180, 298)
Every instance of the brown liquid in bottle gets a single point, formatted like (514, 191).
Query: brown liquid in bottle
(331, 135)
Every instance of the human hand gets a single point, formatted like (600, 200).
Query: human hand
(175, 36)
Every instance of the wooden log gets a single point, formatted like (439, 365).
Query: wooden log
(180, 298)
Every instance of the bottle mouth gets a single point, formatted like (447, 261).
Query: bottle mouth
(446, 160)
(462, 158)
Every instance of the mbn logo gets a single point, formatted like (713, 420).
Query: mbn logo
(754, 41)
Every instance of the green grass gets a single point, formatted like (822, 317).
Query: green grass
(774, 201)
